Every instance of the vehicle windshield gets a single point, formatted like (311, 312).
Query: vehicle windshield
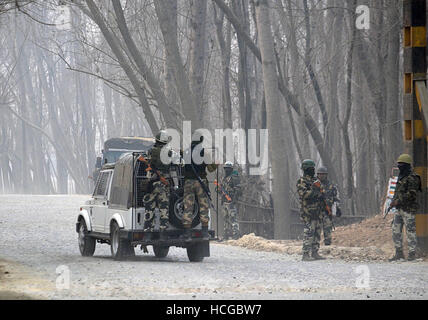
(113, 156)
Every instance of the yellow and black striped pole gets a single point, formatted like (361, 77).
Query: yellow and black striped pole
(416, 103)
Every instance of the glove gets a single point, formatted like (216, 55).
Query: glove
(338, 212)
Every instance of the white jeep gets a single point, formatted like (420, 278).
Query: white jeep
(115, 214)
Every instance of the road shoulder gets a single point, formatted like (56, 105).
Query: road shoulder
(18, 282)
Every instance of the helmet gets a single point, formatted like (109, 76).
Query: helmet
(405, 158)
(162, 137)
(322, 170)
(228, 164)
(308, 164)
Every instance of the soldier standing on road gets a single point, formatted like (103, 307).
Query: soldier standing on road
(193, 190)
(331, 197)
(405, 201)
(310, 194)
(159, 196)
(231, 186)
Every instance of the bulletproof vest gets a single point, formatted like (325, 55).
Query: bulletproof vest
(155, 159)
(406, 192)
(311, 206)
(199, 168)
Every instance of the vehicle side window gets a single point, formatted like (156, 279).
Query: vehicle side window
(101, 188)
(108, 182)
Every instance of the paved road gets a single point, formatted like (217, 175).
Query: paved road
(38, 232)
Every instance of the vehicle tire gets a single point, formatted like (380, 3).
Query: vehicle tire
(86, 243)
(194, 253)
(120, 248)
(160, 252)
(176, 208)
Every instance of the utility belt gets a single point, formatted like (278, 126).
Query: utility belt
(407, 209)
(154, 177)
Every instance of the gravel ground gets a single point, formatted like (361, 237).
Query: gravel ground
(38, 241)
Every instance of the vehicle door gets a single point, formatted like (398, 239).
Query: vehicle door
(99, 210)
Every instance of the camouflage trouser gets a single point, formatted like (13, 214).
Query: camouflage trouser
(327, 228)
(231, 226)
(193, 189)
(159, 198)
(409, 220)
(311, 236)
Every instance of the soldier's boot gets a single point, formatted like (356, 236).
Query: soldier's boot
(398, 255)
(316, 256)
(412, 256)
(307, 257)
(327, 242)
(205, 234)
(187, 235)
(162, 228)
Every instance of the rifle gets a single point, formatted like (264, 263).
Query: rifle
(149, 168)
(204, 187)
(388, 211)
(327, 207)
(224, 193)
(330, 215)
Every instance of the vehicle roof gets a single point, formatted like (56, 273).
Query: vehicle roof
(124, 139)
(129, 143)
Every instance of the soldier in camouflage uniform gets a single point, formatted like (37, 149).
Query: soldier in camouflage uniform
(310, 194)
(331, 197)
(405, 201)
(159, 196)
(193, 190)
(231, 186)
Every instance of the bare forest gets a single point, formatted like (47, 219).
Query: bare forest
(75, 73)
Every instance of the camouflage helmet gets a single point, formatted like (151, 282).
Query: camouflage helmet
(228, 164)
(322, 170)
(308, 163)
(162, 137)
(405, 158)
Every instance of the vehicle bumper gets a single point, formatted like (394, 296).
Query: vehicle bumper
(173, 237)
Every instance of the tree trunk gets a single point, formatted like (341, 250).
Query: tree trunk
(282, 218)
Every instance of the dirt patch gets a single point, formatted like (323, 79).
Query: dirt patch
(20, 283)
(369, 240)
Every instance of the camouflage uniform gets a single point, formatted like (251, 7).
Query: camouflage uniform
(331, 196)
(193, 190)
(159, 196)
(405, 195)
(310, 213)
(231, 187)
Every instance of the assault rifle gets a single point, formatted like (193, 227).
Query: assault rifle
(223, 192)
(327, 207)
(204, 187)
(389, 210)
(149, 168)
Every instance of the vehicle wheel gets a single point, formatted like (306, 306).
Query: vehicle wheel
(86, 243)
(160, 252)
(176, 210)
(120, 248)
(194, 253)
